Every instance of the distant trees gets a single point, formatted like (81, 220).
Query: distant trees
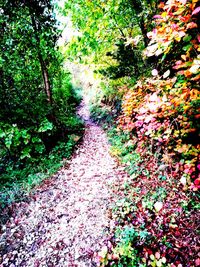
(155, 44)
(114, 29)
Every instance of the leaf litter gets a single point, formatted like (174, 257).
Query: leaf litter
(64, 222)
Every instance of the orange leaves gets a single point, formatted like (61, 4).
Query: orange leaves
(172, 25)
(197, 116)
(183, 148)
(191, 67)
(164, 110)
(161, 5)
(185, 18)
(194, 94)
(159, 110)
(187, 73)
(184, 57)
(191, 25)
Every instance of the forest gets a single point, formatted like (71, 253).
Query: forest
(143, 91)
(37, 99)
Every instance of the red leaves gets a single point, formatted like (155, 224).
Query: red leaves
(185, 18)
(161, 113)
(196, 185)
(172, 25)
(151, 117)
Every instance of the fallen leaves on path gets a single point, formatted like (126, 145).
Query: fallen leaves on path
(65, 220)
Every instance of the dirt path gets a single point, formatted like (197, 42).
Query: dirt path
(64, 222)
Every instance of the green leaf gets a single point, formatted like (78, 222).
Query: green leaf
(187, 47)
(187, 38)
(36, 140)
(25, 153)
(45, 126)
(2, 133)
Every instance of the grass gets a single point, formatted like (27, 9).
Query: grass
(18, 181)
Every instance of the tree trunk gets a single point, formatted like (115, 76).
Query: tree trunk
(44, 70)
(46, 81)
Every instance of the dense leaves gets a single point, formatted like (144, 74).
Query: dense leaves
(156, 47)
(165, 110)
(110, 34)
(146, 54)
(37, 101)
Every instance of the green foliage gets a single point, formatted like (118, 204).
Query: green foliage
(113, 35)
(106, 106)
(17, 179)
(129, 62)
(124, 254)
(37, 100)
(101, 114)
(164, 110)
(22, 143)
(158, 119)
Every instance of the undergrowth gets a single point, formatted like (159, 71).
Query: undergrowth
(155, 220)
(19, 175)
(18, 181)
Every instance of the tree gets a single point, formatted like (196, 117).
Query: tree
(111, 26)
(29, 66)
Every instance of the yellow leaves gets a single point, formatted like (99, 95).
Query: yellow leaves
(183, 100)
(178, 35)
(115, 151)
(167, 50)
(184, 57)
(183, 149)
(164, 14)
(179, 11)
(185, 108)
(172, 25)
(194, 94)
